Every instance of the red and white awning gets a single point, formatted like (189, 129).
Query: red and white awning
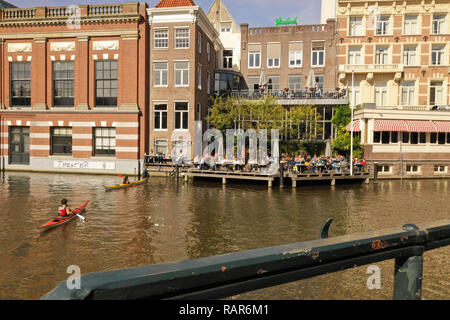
(356, 126)
(420, 126)
(442, 126)
(390, 125)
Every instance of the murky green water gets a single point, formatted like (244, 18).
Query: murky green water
(163, 222)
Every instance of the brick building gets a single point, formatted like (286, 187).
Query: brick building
(183, 49)
(71, 98)
(398, 53)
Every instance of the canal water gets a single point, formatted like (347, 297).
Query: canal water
(164, 222)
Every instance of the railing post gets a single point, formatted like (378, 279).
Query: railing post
(408, 273)
(375, 172)
(281, 174)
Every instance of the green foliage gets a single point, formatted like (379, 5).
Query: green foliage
(341, 145)
(314, 147)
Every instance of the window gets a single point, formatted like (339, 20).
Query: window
(295, 59)
(161, 146)
(199, 112)
(223, 30)
(410, 25)
(410, 55)
(228, 59)
(161, 38)
(160, 116)
(437, 54)
(384, 169)
(61, 140)
(422, 137)
(181, 38)
(376, 137)
(405, 137)
(273, 63)
(382, 55)
(20, 84)
(182, 74)
(436, 93)
(412, 169)
(357, 87)
(433, 137)
(354, 55)
(208, 83)
(319, 81)
(208, 50)
(440, 169)
(181, 116)
(199, 77)
(356, 26)
(318, 56)
(254, 59)
(200, 42)
(253, 83)
(394, 137)
(273, 83)
(160, 74)
(441, 137)
(385, 137)
(295, 82)
(408, 93)
(104, 141)
(438, 24)
(380, 93)
(106, 83)
(63, 75)
(414, 138)
(382, 27)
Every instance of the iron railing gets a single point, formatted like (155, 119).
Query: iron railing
(231, 274)
(331, 94)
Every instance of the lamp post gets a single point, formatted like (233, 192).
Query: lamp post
(351, 122)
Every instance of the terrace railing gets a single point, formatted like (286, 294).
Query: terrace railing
(231, 274)
(290, 94)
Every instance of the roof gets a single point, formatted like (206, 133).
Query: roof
(4, 4)
(175, 3)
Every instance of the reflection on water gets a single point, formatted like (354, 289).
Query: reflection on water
(163, 222)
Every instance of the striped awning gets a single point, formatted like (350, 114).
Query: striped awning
(442, 126)
(420, 126)
(356, 126)
(390, 125)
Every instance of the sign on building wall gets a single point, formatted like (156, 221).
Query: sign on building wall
(84, 164)
(288, 21)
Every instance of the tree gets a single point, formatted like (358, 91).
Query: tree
(341, 144)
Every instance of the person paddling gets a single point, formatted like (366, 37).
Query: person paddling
(125, 180)
(64, 209)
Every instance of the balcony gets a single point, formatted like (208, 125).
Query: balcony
(371, 68)
(296, 97)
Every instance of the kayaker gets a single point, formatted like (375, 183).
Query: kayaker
(125, 180)
(64, 209)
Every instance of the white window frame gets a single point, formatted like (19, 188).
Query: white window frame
(182, 72)
(379, 54)
(273, 60)
(199, 76)
(155, 103)
(409, 54)
(165, 143)
(161, 72)
(352, 54)
(439, 171)
(318, 56)
(441, 55)
(386, 25)
(208, 82)
(200, 42)
(294, 56)
(351, 29)
(188, 37)
(408, 90)
(155, 30)
(409, 23)
(383, 90)
(412, 167)
(181, 116)
(441, 23)
(254, 54)
(208, 50)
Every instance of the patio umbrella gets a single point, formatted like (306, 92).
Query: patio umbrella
(328, 148)
(262, 79)
(311, 80)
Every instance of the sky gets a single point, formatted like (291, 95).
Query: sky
(257, 13)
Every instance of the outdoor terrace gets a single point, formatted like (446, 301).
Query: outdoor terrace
(297, 97)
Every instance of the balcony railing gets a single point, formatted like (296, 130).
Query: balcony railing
(363, 68)
(102, 10)
(291, 94)
(18, 13)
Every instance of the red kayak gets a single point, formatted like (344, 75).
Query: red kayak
(60, 221)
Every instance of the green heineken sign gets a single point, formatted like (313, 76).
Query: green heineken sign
(288, 21)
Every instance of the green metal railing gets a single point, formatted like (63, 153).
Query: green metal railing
(231, 274)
